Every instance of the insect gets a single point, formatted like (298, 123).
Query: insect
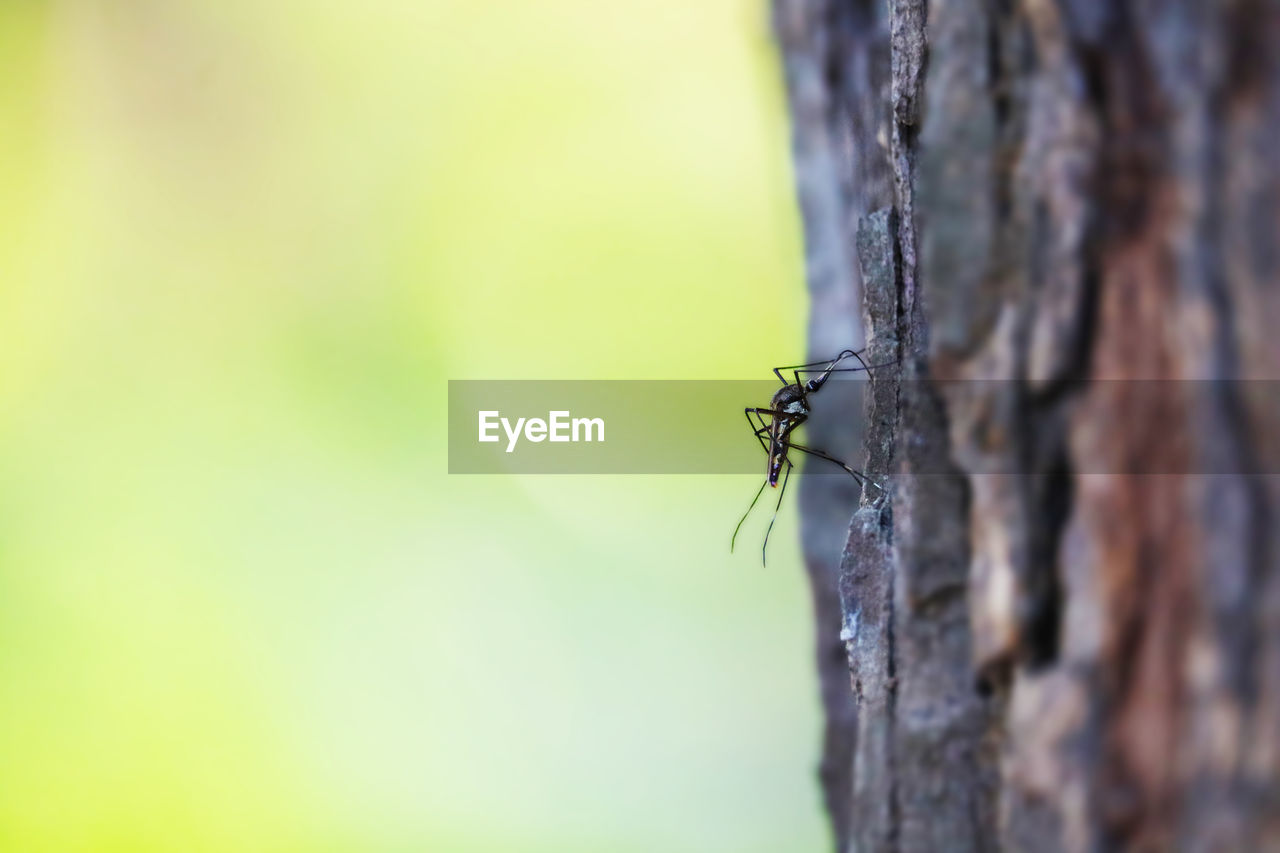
(788, 410)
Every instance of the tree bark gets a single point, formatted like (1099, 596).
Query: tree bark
(1061, 630)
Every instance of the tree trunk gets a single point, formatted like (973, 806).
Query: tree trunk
(1059, 631)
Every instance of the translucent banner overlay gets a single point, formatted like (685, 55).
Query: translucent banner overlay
(699, 426)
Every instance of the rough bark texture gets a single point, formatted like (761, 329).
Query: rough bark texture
(1029, 645)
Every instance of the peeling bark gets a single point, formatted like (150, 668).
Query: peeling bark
(1061, 630)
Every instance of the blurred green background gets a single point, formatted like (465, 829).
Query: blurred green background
(243, 245)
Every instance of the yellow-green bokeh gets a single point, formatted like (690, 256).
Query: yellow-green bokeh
(243, 245)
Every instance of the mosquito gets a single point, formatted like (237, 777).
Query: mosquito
(788, 410)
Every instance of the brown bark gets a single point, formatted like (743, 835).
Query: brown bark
(1062, 627)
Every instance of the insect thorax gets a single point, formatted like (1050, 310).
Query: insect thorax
(790, 399)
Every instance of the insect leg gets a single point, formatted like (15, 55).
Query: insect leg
(824, 361)
(867, 369)
(760, 425)
(757, 429)
(734, 538)
(764, 550)
(779, 439)
(830, 366)
(826, 365)
(758, 432)
(857, 475)
(749, 411)
(764, 427)
(760, 411)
